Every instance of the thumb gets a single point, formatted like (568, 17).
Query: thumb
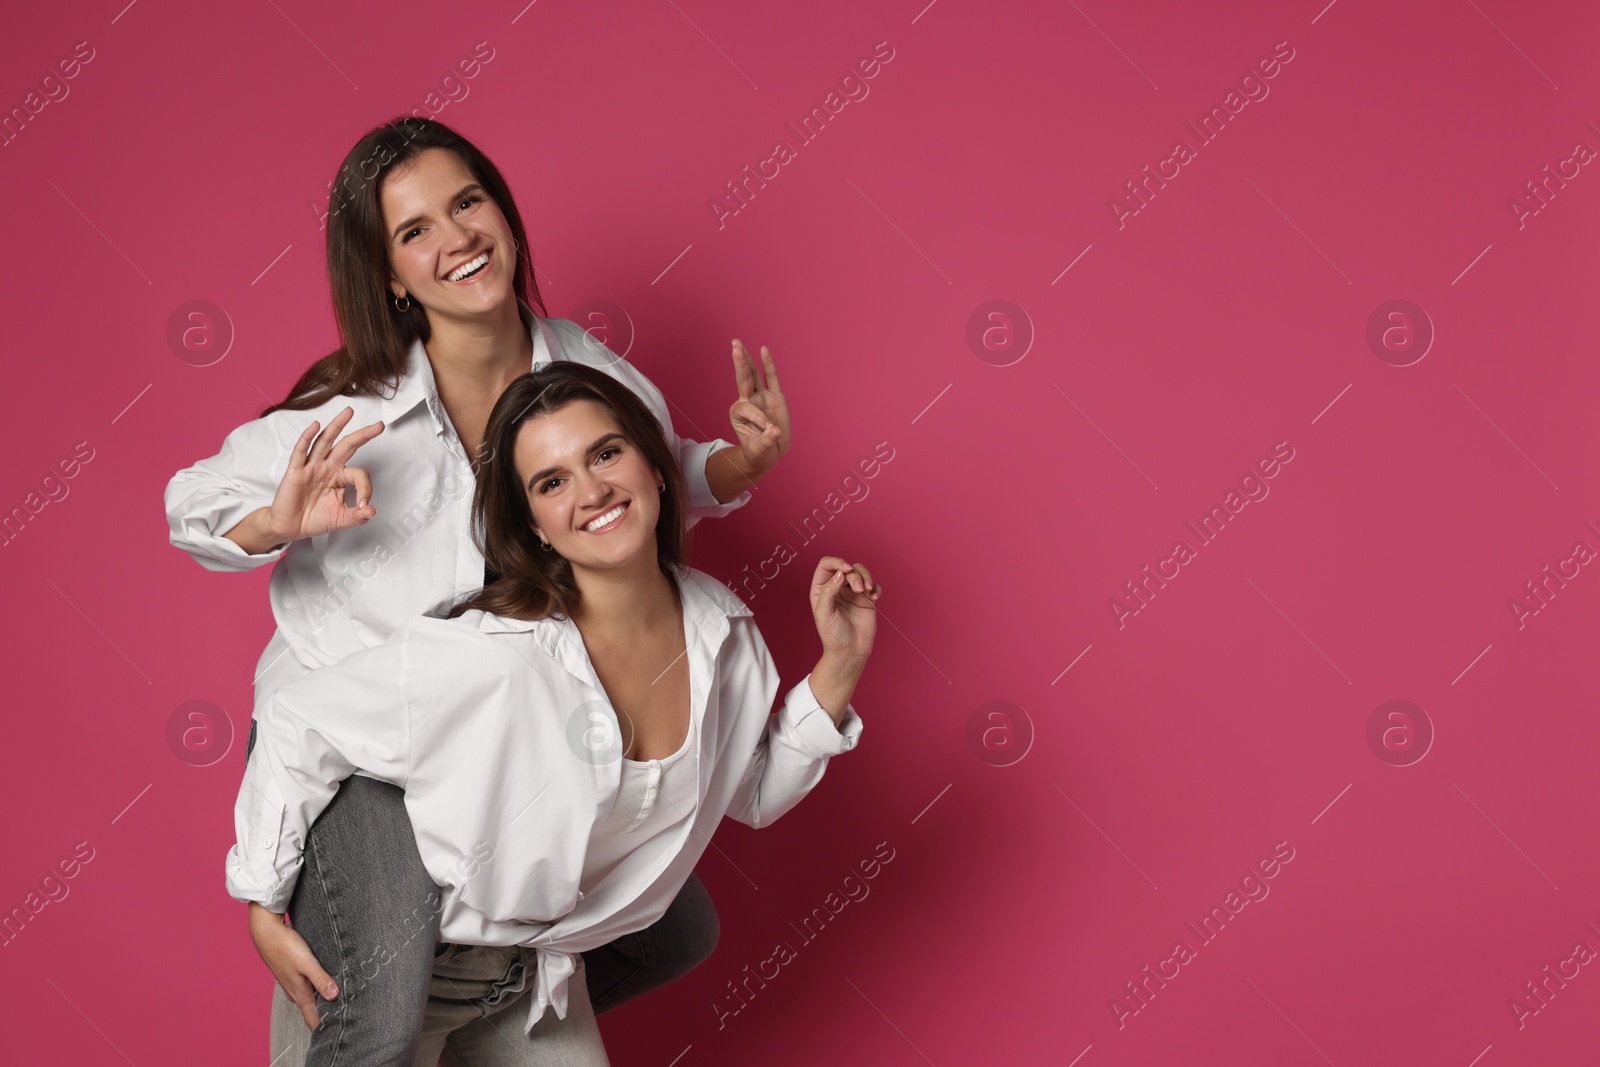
(321, 979)
(324, 983)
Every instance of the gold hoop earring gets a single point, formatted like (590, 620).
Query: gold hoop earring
(400, 309)
(547, 546)
(662, 488)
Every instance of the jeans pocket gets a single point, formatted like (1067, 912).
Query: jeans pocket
(639, 947)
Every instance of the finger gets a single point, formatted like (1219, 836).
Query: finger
(325, 439)
(873, 590)
(308, 1011)
(363, 483)
(846, 575)
(856, 581)
(302, 447)
(771, 370)
(743, 373)
(304, 998)
(346, 448)
(747, 411)
(826, 568)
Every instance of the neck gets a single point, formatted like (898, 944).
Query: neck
(632, 599)
(480, 353)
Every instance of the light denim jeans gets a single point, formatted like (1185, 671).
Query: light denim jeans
(478, 1008)
(365, 904)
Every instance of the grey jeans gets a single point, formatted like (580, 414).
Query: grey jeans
(367, 907)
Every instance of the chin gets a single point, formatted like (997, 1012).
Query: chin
(619, 555)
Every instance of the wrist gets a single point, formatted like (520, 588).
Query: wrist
(840, 666)
(728, 473)
(742, 465)
(266, 534)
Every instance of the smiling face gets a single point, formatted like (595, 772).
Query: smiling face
(593, 494)
(450, 248)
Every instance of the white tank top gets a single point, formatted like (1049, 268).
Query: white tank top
(654, 796)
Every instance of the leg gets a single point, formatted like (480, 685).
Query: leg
(368, 909)
(289, 1038)
(497, 1037)
(669, 948)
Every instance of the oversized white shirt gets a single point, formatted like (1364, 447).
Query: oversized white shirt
(350, 589)
(509, 753)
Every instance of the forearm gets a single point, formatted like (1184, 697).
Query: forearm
(263, 917)
(728, 475)
(833, 682)
(253, 533)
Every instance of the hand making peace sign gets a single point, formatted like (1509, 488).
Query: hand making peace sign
(761, 415)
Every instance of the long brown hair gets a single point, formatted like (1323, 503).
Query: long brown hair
(377, 336)
(534, 583)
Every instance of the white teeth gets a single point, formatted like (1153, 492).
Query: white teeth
(603, 519)
(467, 268)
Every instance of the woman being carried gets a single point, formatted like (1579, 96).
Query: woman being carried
(569, 738)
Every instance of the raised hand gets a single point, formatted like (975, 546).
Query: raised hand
(760, 416)
(844, 604)
(310, 499)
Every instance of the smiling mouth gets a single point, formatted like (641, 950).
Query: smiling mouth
(606, 522)
(478, 265)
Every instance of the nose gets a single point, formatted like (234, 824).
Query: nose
(458, 236)
(590, 491)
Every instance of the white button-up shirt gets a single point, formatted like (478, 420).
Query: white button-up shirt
(350, 589)
(509, 753)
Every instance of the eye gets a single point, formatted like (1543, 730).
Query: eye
(473, 199)
(609, 450)
(544, 486)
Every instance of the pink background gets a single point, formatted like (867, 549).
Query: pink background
(1228, 715)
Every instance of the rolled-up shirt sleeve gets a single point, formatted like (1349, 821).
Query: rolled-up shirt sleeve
(692, 459)
(211, 497)
(311, 734)
(794, 749)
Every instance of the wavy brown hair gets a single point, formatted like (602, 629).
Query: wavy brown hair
(376, 336)
(534, 583)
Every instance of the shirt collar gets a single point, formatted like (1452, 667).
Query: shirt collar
(417, 386)
(705, 601)
(707, 607)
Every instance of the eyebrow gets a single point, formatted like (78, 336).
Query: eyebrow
(599, 443)
(413, 220)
